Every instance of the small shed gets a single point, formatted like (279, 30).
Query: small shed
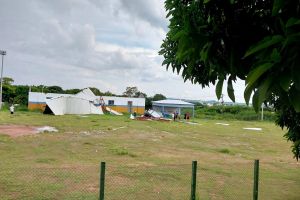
(170, 106)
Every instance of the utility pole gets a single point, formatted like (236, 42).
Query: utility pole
(3, 53)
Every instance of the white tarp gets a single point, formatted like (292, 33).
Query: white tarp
(155, 114)
(72, 105)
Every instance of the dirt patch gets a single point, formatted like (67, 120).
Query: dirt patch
(20, 130)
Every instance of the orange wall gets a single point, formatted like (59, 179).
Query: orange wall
(122, 109)
(36, 106)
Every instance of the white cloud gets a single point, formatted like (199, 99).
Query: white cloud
(77, 43)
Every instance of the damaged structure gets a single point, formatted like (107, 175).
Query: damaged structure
(84, 102)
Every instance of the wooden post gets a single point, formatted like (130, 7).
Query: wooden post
(102, 181)
(255, 182)
(194, 179)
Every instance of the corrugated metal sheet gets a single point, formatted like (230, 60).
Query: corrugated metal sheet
(169, 101)
(72, 105)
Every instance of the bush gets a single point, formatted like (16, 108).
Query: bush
(233, 113)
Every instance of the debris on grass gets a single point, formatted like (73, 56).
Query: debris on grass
(46, 129)
(114, 129)
(192, 123)
(253, 129)
(223, 124)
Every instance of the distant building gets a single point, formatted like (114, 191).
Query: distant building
(170, 106)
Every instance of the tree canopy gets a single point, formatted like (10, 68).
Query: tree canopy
(210, 41)
(158, 97)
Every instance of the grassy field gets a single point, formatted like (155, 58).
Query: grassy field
(145, 159)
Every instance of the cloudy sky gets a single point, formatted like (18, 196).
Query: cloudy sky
(108, 44)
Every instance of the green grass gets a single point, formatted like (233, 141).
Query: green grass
(145, 159)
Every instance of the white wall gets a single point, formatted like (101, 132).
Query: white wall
(123, 101)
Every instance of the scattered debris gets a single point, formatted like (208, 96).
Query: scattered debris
(84, 133)
(149, 118)
(253, 129)
(46, 129)
(222, 124)
(131, 116)
(154, 114)
(192, 123)
(114, 129)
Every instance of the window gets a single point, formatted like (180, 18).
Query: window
(111, 102)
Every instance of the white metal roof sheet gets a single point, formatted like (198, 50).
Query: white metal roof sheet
(171, 101)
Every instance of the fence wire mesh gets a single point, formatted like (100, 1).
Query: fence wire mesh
(274, 184)
(234, 182)
(50, 183)
(149, 182)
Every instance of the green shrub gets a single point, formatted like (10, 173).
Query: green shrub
(233, 113)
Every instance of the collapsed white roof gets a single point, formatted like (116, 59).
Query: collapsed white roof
(72, 105)
(81, 103)
(86, 94)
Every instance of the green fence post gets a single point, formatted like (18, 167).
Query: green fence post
(102, 181)
(194, 179)
(255, 182)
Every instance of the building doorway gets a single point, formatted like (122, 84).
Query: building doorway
(129, 105)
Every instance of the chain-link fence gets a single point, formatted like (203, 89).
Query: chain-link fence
(53, 183)
(161, 182)
(145, 181)
(234, 182)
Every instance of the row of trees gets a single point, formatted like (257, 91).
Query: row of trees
(18, 94)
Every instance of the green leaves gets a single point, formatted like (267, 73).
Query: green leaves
(265, 43)
(292, 22)
(219, 88)
(295, 98)
(247, 94)
(230, 90)
(204, 53)
(263, 92)
(277, 5)
(255, 101)
(257, 72)
(285, 82)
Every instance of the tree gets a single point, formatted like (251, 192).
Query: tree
(53, 89)
(140, 94)
(21, 94)
(158, 97)
(131, 91)
(148, 103)
(7, 81)
(108, 93)
(72, 91)
(96, 91)
(210, 41)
